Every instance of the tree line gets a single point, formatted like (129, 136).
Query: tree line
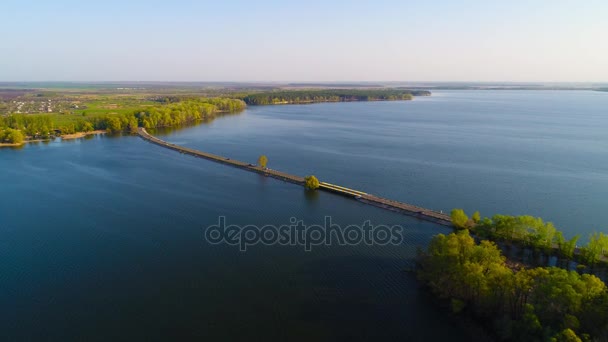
(515, 303)
(331, 95)
(532, 232)
(16, 127)
(11, 136)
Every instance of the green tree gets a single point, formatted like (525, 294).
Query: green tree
(262, 161)
(16, 137)
(311, 182)
(132, 124)
(113, 124)
(567, 335)
(566, 247)
(459, 218)
(87, 126)
(595, 249)
(11, 136)
(476, 217)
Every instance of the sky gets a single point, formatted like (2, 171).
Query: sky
(304, 41)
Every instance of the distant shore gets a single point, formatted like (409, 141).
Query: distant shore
(331, 95)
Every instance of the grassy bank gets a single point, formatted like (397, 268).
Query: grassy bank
(17, 128)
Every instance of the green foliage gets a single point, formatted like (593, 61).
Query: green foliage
(476, 217)
(186, 112)
(87, 126)
(527, 304)
(331, 95)
(113, 124)
(567, 335)
(11, 136)
(528, 230)
(533, 232)
(596, 248)
(459, 218)
(311, 182)
(35, 126)
(262, 161)
(566, 248)
(29, 125)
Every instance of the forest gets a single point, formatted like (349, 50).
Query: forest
(533, 232)
(16, 128)
(331, 95)
(513, 302)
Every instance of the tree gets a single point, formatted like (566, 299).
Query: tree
(262, 161)
(476, 217)
(459, 218)
(15, 136)
(11, 136)
(311, 182)
(132, 124)
(113, 124)
(567, 335)
(87, 127)
(595, 249)
(566, 248)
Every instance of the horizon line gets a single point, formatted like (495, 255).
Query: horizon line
(302, 82)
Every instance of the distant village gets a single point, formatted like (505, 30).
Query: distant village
(30, 106)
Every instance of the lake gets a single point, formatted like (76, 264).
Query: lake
(103, 238)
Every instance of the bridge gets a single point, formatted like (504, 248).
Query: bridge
(363, 197)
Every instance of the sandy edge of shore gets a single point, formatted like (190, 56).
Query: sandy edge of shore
(81, 134)
(63, 137)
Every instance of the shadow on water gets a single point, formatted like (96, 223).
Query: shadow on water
(312, 196)
(12, 147)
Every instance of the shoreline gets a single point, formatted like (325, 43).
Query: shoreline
(12, 145)
(81, 134)
(73, 136)
(328, 101)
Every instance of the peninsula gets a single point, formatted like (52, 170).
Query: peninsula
(38, 114)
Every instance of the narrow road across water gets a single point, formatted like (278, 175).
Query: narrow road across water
(385, 203)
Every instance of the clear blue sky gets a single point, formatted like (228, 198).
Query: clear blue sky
(258, 40)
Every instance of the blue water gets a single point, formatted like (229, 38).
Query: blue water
(103, 238)
(542, 153)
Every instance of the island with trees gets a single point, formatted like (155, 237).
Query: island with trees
(514, 302)
(520, 298)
